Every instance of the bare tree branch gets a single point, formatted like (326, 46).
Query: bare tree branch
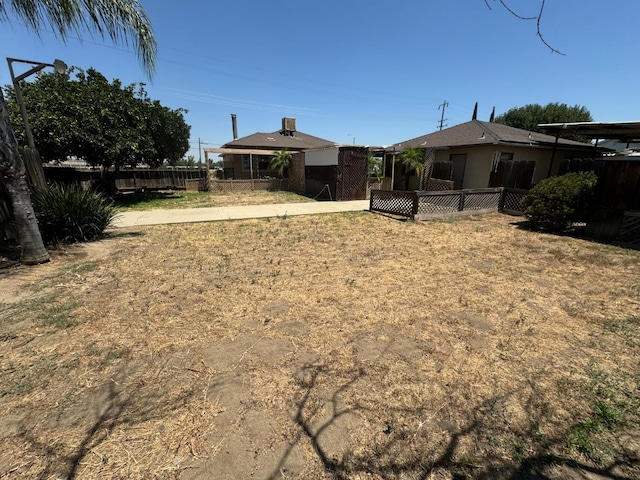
(553, 50)
(515, 14)
(537, 18)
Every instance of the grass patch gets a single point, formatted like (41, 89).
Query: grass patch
(46, 310)
(180, 199)
(58, 315)
(344, 346)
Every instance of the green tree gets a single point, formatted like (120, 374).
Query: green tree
(169, 133)
(281, 162)
(412, 160)
(529, 116)
(374, 167)
(123, 21)
(106, 124)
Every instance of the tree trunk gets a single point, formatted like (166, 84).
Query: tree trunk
(13, 174)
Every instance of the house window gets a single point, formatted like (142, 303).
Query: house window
(263, 162)
(506, 157)
(246, 163)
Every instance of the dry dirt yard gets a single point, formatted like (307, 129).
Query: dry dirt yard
(349, 346)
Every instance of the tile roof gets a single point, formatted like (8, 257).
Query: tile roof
(476, 132)
(278, 140)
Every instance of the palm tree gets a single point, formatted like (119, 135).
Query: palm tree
(412, 159)
(123, 21)
(280, 162)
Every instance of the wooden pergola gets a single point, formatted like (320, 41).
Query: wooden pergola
(236, 151)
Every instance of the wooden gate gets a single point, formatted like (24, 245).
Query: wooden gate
(512, 174)
(352, 173)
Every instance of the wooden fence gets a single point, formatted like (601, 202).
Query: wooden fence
(421, 205)
(33, 167)
(248, 185)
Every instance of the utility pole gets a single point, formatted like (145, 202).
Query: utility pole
(443, 105)
(199, 152)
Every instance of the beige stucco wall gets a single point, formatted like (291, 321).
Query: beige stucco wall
(321, 158)
(480, 158)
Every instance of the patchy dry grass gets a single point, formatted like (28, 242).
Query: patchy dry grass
(180, 199)
(332, 346)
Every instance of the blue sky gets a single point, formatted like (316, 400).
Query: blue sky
(373, 71)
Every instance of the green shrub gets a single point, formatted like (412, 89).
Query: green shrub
(71, 213)
(557, 202)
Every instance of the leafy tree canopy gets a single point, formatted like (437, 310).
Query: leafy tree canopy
(105, 123)
(529, 116)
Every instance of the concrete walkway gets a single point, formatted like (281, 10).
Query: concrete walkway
(214, 214)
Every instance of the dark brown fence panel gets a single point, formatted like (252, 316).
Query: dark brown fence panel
(457, 202)
(248, 185)
(431, 203)
(482, 200)
(352, 173)
(629, 232)
(33, 166)
(510, 174)
(128, 179)
(427, 205)
(321, 181)
(438, 184)
(393, 202)
(442, 170)
(511, 202)
(69, 175)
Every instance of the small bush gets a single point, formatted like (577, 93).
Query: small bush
(71, 213)
(556, 203)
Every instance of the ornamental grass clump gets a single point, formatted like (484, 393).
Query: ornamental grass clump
(556, 203)
(72, 213)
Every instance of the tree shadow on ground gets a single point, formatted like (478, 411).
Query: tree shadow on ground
(141, 198)
(123, 400)
(416, 455)
(578, 232)
(9, 254)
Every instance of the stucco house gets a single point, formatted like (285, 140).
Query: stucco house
(486, 154)
(259, 148)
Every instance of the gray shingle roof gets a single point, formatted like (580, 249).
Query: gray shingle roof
(476, 132)
(278, 140)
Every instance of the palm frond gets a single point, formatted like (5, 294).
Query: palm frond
(123, 21)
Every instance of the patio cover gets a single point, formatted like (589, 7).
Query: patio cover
(240, 151)
(624, 131)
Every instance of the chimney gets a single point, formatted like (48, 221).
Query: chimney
(288, 126)
(234, 125)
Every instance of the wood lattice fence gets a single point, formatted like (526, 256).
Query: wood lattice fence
(419, 205)
(629, 233)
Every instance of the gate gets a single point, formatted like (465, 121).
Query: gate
(352, 173)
